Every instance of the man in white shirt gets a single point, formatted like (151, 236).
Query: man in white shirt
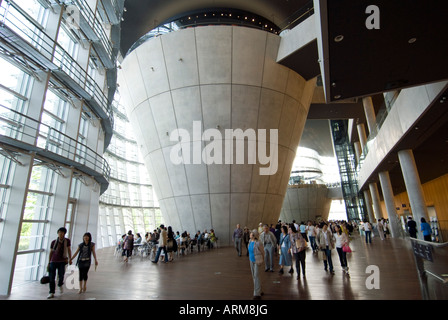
(368, 231)
(311, 232)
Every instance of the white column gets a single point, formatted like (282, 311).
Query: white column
(368, 201)
(369, 111)
(375, 201)
(358, 150)
(388, 195)
(362, 135)
(413, 187)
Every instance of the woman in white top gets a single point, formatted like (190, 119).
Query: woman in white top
(368, 231)
(341, 240)
(311, 230)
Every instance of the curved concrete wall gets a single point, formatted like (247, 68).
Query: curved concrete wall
(306, 202)
(223, 77)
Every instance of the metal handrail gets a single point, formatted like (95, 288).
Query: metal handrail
(88, 14)
(55, 55)
(60, 144)
(297, 17)
(444, 281)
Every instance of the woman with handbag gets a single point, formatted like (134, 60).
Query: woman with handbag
(285, 251)
(85, 249)
(342, 247)
(256, 259)
(298, 249)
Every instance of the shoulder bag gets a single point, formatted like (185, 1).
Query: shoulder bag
(257, 254)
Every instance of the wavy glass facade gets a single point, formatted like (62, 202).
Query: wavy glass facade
(130, 202)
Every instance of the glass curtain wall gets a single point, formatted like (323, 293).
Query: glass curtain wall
(50, 131)
(130, 202)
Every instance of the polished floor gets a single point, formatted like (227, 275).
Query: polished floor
(220, 274)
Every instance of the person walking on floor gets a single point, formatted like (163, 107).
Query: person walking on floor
(237, 238)
(60, 252)
(128, 246)
(325, 241)
(380, 228)
(311, 231)
(162, 244)
(246, 239)
(284, 247)
(255, 249)
(267, 238)
(171, 244)
(85, 249)
(412, 228)
(426, 229)
(368, 231)
(341, 240)
(298, 249)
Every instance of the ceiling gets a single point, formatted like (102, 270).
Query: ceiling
(409, 48)
(141, 16)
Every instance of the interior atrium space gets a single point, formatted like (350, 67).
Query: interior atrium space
(142, 141)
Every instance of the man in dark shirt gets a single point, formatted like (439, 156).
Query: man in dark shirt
(412, 228)
(60, 252)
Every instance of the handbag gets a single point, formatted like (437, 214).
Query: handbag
(322, 255)
(169, 245)
(346, 248)
(258, 255)
(301, 245)
(45, 280)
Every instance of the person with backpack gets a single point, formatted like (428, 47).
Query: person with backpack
(85, 249)
(59, 257)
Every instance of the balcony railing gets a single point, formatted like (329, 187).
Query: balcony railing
(21, 131)
(24, 35)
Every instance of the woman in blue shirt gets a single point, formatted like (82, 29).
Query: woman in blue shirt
(426, 229)
(285, 251)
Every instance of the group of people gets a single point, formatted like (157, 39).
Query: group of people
(382, 226)
(61, 255)
(290, 241)
(425, 228)
(167, 242)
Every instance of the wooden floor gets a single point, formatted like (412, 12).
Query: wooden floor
(219, 274)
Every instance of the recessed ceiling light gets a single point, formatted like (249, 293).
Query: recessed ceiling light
(412, 40)
(339, 38)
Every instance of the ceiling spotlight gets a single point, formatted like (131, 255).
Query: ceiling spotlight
(339, 38)
(412, 40)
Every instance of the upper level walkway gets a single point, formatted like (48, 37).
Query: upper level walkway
(219, 274)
